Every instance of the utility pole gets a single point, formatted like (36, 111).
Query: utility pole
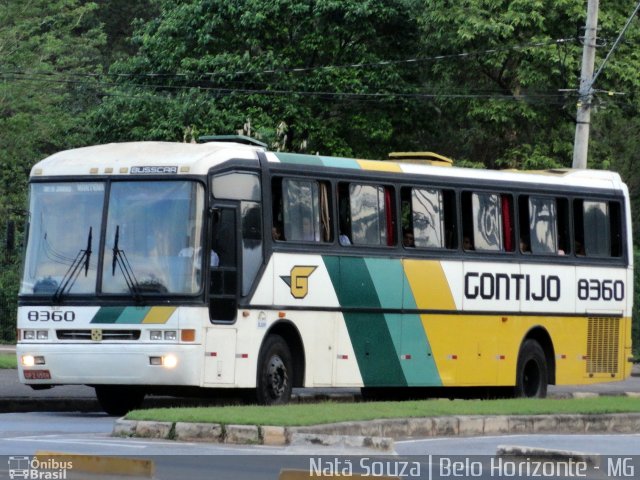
(583, 118)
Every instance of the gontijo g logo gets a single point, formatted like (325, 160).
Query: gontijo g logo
(299, 280)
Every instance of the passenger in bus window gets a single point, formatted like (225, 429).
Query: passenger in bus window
(579, 248)
(524, 246)
(466, 243)
(408, 239)
(344, 239)
(276, 233)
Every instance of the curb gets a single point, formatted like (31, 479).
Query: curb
(90, 404)
(534, 453)
(379, 434)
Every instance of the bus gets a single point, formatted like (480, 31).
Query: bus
(158, 266)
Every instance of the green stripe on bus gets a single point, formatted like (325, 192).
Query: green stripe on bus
(107, 315)
(315, 160)
(299, 159)
(133, 315)
(371, 338)
(407, 331)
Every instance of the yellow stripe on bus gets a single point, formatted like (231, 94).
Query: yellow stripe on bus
(379, 166)
(159, 315)
(429, 284)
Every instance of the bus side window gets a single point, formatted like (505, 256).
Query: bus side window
(428, 218)
(366, 214)
(486, 209)
(597, 228)
(543, 225)
(305, 211)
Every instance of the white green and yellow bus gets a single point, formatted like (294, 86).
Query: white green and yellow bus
(155, 266)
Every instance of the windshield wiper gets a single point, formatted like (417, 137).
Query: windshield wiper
(120, 259)
(73, 272)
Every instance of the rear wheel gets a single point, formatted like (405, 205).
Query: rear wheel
(275, 372)
(118, 399)
(531, 374)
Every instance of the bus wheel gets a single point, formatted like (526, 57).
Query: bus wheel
(531, 374)
(119, 400)
(275, 372)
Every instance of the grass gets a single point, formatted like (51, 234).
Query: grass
(8, 360)
(328, 412)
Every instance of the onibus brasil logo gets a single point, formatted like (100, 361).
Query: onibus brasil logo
(298, 280)
(43, 468)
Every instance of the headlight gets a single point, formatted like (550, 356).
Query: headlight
(155, 335)
(42, 335)
(170, 335)
(29, 335)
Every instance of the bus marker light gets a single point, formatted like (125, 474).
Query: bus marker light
(452, 357)
(500, 357)
(245, 314)
(188, 335)
(343, 357)
(155, 360)
(169, 361)
(211, 354)
(562, 356)
(585, 357)
(242, 355)
(281, 314)
(406, 357)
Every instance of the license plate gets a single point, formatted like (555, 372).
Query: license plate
(37, 374)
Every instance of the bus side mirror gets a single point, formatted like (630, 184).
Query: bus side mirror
(10, 236)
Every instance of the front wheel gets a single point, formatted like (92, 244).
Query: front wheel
(275, 372)
(118, 399)
(531, 374)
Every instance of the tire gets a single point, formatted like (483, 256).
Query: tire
(275, 372)
(532, 372)
(119, 400)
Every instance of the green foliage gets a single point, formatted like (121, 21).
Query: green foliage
(274, 65)
(41, 111)
(319, 413)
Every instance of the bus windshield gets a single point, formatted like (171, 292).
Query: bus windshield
(152, 241)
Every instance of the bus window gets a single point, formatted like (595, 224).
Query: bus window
(366, 214)
(542, 225)
(305, 211)
(597, 228)
(236, 186)
(487, 221)
(251, 243)
(427, 222)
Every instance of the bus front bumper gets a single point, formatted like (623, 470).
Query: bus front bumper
(109, 364)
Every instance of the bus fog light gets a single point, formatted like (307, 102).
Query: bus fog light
(155, 335)
(39, 360)
(29, 335)
(169, 361)
(28, 360)
(171, 335)
(155, 360)
(42, 335)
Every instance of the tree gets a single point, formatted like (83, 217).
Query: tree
(48, 47)
(518, 82)
(286, 65)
